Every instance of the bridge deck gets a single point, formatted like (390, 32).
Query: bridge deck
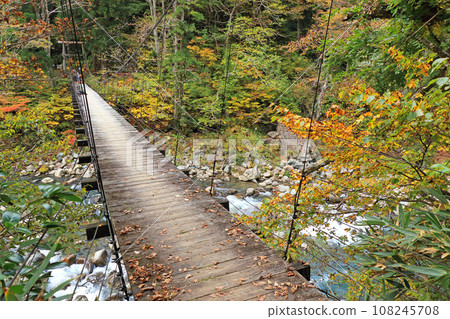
(178, 243)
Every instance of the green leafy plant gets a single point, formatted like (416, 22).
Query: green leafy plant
(408, 254)
(32, 218)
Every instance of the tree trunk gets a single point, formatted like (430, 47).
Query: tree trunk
(323, 89)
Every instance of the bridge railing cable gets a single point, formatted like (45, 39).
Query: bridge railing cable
(86, 118)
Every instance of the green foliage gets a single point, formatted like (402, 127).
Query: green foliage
(407, 254)
(28, 211)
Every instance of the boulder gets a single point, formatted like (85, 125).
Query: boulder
(99, 258)
(250, 191)
(250, 174)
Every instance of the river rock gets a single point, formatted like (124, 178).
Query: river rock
(208, 173)
(95, 278)
(115, 297)
(87, 174)
(250, 191)
(293, 162)
(80, 261)
(285, 179)
(90, 267)
(267, 174)
(283, 188)
(63, 162)
(250, 174)
(47, 180)
(333, 198)
(99, 258)
(72, 181)
(208, 190)
(273, 134)
(30, 168)
(70, 259)
(59, 172)
(81, 298)
(113, 280)
(37, 258)
(43, 169)
(227, 169)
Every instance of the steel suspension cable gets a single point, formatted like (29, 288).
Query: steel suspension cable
(91, 139)
(303, 176)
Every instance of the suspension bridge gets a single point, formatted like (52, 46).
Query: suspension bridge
(175, 241)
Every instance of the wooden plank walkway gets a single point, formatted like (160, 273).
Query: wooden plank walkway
(178, 243)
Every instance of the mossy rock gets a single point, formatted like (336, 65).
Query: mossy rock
(44, 169)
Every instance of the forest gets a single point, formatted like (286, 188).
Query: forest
(366, 81)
